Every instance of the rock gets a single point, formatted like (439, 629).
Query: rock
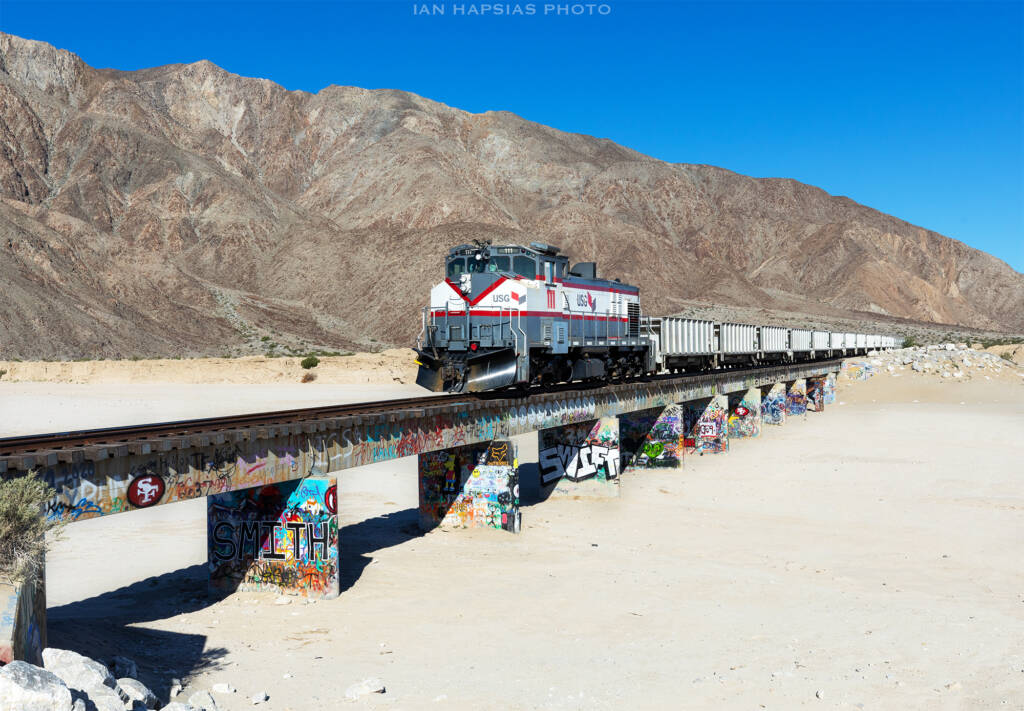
(223, 688)
(202, 701)
(259, 697)
(950, 347)
(103, 698)
(283, 600)
(137, 691)
(176, 706)
(175, 687)
(364, 687)
(123, 666)
(79, 705)
(917, 367)
(819, 694)
(955, 686)
(77, 671)
(26, 687)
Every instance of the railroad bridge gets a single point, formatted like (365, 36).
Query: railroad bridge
(271, 485)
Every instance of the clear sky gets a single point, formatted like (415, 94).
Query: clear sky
(914, 108)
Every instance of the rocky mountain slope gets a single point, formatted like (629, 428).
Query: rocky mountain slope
(183, 209)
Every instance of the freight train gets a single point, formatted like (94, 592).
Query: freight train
(517, 316)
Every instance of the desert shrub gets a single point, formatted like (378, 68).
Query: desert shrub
(23, 526)
(3, 373)
(308, 377)
(310, 362)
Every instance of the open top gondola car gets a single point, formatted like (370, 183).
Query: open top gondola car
(519, 315)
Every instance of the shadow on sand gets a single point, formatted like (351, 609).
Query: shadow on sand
(105, 625)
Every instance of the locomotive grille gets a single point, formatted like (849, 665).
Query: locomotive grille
(633, 311)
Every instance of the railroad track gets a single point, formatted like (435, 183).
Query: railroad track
(56, 441)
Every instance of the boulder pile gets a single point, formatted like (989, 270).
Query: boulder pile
(953, 361)
(69, 681)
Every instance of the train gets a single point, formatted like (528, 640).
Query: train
(518, 316)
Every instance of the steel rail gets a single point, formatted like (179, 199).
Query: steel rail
(28, 444)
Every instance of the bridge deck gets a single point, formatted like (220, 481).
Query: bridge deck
(98, 472)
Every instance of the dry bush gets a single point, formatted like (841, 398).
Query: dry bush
(308, 377)
(23, 527)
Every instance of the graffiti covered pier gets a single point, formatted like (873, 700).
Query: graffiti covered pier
(105, 472)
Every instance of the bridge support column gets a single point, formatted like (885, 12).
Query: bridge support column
(706, 425)
(830, 389)
(796, 398)
(816, 394)
(652, 439)
(23, 618)
(745, 413)
(580, 459)
(474, 486)
(773, 404)
(281, 537)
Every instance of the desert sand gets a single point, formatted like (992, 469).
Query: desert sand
(864, 558)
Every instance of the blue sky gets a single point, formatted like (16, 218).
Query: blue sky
(916, 109)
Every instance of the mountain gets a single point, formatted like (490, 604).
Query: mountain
(186, 210)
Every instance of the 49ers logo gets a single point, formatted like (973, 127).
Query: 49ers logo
(145, 490)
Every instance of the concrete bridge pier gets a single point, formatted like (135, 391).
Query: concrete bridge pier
(830, 389)
(281, 537)
(773, 404)
(816, 394)
(706, 425)
(745, 413)
(580, 459)
(473, 486)
(652, 439)
(796, 397)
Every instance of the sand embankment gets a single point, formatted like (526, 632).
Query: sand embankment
(390, 366)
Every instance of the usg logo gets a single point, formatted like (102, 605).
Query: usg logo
(502, 298)
(586, 301)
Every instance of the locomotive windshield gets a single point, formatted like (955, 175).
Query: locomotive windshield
(520, 264)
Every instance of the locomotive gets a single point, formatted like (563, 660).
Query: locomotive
(515, 315)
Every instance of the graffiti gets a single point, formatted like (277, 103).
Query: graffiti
(280, 536)
(706, 424)
(469, 487)
(579, 452)
(815, 394)
(745, 414)
(858, 369)
(23, 621)
(145, 490)
(796, 398)
(497, 454)
(773, 405)
(829, 394)
(651, 439)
